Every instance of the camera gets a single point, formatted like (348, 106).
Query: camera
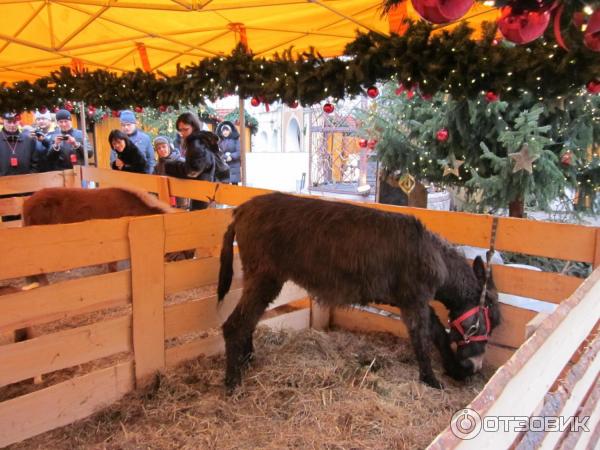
(37, 134)
(63, 137)
(12, 138)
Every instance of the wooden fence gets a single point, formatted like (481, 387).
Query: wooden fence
(147, 333)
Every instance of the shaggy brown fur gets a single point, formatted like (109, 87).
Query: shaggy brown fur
(344, 254)
(69, 205)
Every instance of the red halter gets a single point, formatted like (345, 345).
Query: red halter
(467, 338)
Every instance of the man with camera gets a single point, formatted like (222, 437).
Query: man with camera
(17, 151)
(66, 144)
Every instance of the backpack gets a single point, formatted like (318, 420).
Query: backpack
(220, 170)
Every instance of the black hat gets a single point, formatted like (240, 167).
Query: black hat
(9, 116)
(63, 114)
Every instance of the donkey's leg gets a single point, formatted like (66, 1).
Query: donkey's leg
(417, 322)
(442, 342)
(258, 292)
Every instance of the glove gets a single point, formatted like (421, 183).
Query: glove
(227, 156)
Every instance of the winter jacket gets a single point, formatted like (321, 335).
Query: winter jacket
(160, 169)
(24, 154)
(230, 149)
(66, 155)
(134, 159)
(199, 160)
(144, 143)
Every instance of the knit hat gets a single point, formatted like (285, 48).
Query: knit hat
(127, 116)
(46, 115)
(63, 114)
(161, 140)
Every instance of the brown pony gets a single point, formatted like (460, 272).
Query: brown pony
(69, 205)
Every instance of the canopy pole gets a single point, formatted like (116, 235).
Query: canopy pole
(242, 120)
(84, 132)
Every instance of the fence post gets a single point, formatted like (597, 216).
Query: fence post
(163, 189)
(320, 316)
(147, 245)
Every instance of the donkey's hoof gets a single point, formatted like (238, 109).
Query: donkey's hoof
(231, 383)
(432, 381)
(31, 286)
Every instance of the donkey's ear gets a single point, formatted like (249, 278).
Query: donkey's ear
(479, 269)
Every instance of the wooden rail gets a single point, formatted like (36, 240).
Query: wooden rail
(153, 335)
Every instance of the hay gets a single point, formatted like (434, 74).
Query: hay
(308, 389)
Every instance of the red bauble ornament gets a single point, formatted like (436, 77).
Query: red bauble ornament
(69, 106)
(400, 89)
(43, 110)
(104, 116)
(372, 92)
(591, 37)
(491, 96)
(442, 135)
(294, 104)
(372, 143)
(139, 109)
(593, 87)
(426, 96)
(162, 108)
(567, 158)
(328, 108)
(362, 143)
(410, 94)
(442, 11)
(254, 101)
(524, 27)
(115, 113)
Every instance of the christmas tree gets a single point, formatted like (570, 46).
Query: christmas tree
(505, 154)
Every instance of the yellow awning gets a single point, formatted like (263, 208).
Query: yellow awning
(39, 36)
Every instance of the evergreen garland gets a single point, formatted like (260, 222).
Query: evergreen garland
(448, 61)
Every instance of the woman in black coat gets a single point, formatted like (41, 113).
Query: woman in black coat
(129, 157)
(229, 144)
(199, 147)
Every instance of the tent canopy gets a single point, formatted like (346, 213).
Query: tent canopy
(39, 36)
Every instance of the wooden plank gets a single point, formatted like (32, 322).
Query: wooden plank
(199, 229)
(198, 190)
(67, 299)
(206, 313)
(541, 358)
(194, 273)
(320, 316)
(11, 206)
(64, 349)
(587, 439)
(546, 286)
(52, 248)
(146, 237)
(459, 228)
(229, 194)
(573, 389)
(212, 345)
(163, 190)
(11, 224)
(115, 178)
(297, 319)
(596, 262)
(63, 403)
(199, 315)
(20, 184)
(549, 239)
(357, 320)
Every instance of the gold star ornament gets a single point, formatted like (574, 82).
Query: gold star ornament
(523, 160)
(456, 163)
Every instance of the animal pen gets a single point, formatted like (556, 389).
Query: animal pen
(546, 365)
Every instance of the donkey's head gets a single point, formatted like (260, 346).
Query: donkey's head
(472, 323)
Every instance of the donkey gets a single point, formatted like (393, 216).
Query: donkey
(344, 254)
(69, 205)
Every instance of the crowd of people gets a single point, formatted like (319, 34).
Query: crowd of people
(195, 153)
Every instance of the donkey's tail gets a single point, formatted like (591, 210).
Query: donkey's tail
(226, 270)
